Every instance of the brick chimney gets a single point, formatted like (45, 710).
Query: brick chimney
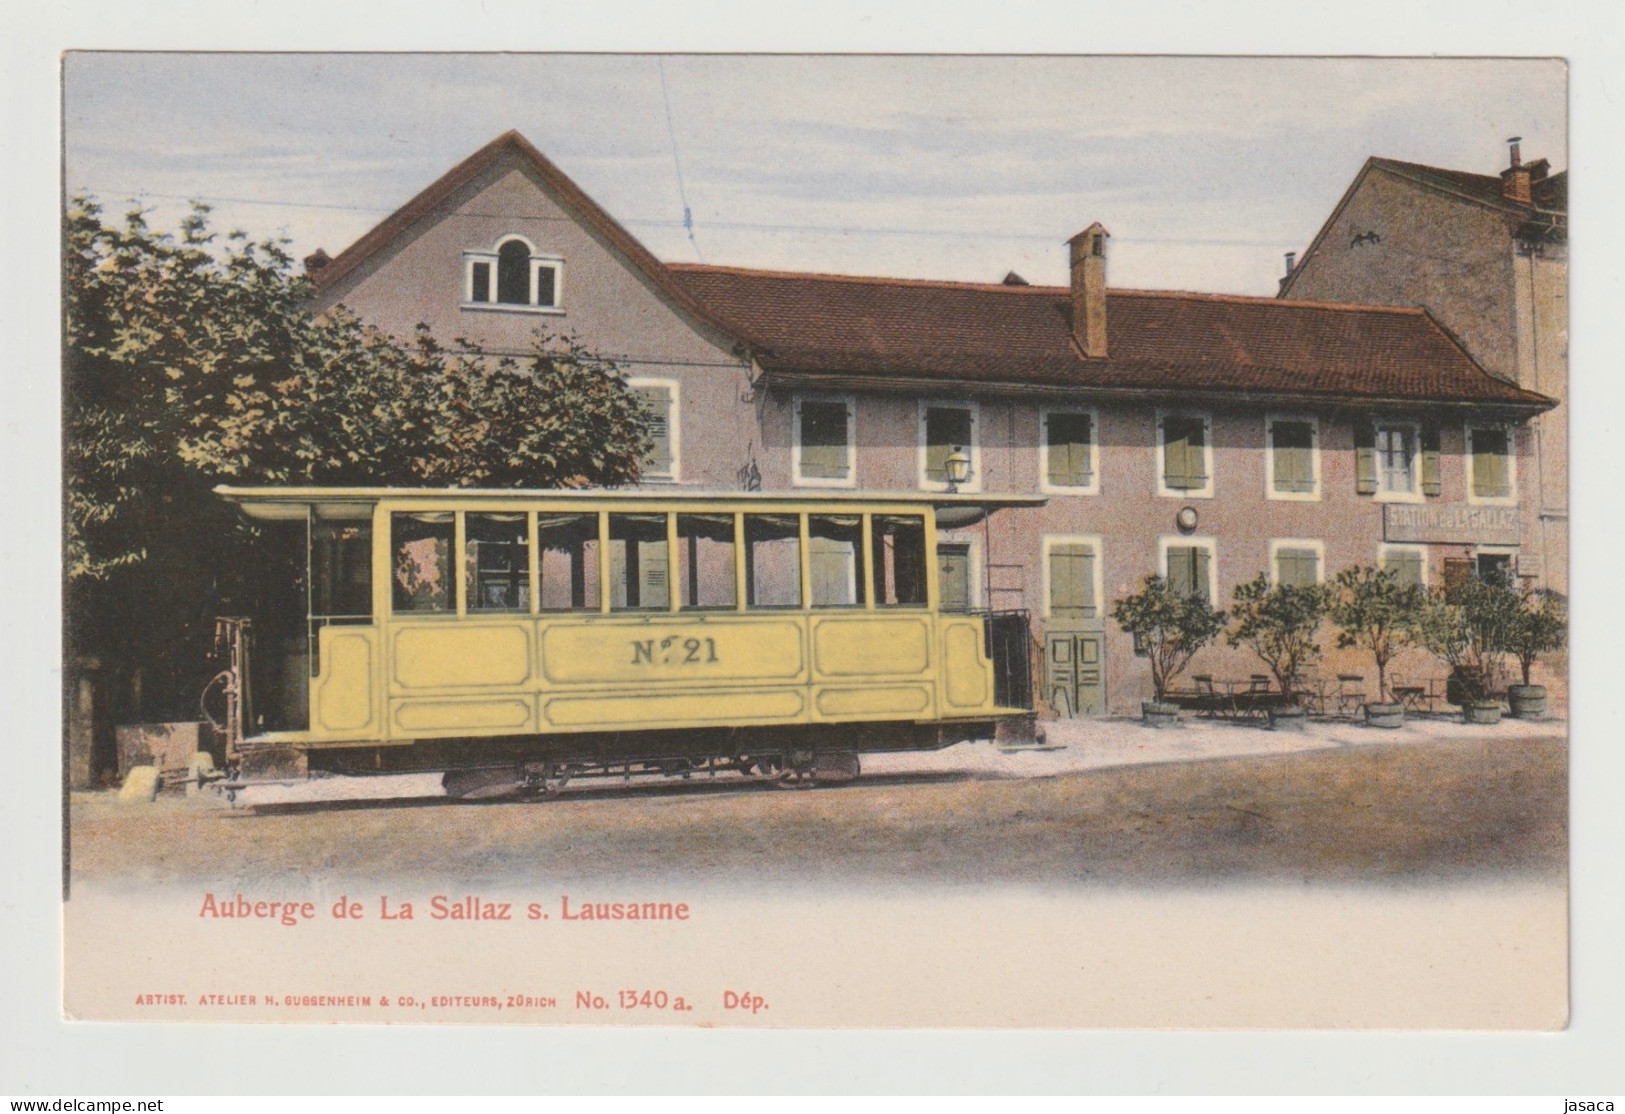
(1089, 290)
(1515, 178)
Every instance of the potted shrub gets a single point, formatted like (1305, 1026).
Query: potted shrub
(1278, 624)
(1376, 613)
(1469, 625)
(1540, 626)
(1169, 628)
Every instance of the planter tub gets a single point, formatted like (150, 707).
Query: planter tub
(1527, 701)
(1290, 718)
(1159, 715)
(1385, 715)
(1481, 711)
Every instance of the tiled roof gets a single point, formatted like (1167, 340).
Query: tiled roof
(1020, 336)
(1550, 192)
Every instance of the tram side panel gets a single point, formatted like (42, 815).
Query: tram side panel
(547, 675)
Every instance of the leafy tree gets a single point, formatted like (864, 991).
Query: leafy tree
(1278, 623)
(191, 360)
(1472, 625)
(1541, 625)
(1170, 626)
(1376, 613)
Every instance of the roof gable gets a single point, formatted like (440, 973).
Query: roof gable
(430, 200)
(1549, 193)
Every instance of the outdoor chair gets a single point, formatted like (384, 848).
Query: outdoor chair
(1350, 693)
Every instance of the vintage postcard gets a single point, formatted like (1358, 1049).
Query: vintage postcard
(816, 541)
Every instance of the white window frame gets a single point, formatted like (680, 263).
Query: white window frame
(796, 478)
(1421, 551)
(1097, 543)
(1312, 496)
(537, 261)
(1382, 494)
(1508, 500)
(674, 425)
(1278, 544)
(1044, 484)
(1205, 541)
(974, 449)
(1207, 454)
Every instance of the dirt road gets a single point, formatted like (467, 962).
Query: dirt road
(1489, 806)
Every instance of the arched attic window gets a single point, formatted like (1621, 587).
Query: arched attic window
(513, 276)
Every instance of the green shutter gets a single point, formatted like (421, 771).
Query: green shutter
(824, 448)
(1188, 571)
(945, 430)
(656, 401)
(1492, 479)
(1182, 454)
(1292, 446)
(1072, 580)
(1179, 569)
(1365, 458)
(1406, 567)
(1299, 568)
(1430, 460)
(1070, 437)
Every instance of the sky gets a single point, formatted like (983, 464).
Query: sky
(1204, 170)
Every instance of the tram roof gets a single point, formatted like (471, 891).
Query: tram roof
(288, 503)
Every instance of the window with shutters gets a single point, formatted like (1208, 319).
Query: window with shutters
(1072, 577)
(823, 442)
(947, 428)
(1067, 454)
(1187, 566)
(1292, 458)
(1185, 446)
(1490, 464)
(1407, 562)
(1298, 562)
(659, 398)
(513, 276)
(1396, 461)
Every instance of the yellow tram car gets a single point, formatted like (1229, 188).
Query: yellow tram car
(516, 639)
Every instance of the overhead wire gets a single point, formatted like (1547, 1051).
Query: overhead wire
(731, 226)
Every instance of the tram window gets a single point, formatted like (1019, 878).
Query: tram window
(341, 570)
(497, 565)
(639, 566)
(835, 559)
(422, 561)
(898, 541)
(705, 561)
(568, 561)
(773, 560)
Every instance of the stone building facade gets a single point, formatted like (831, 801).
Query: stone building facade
(1487, 256)
(1209, 438)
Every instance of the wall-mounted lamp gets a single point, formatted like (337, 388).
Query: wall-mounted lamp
(957, 467)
